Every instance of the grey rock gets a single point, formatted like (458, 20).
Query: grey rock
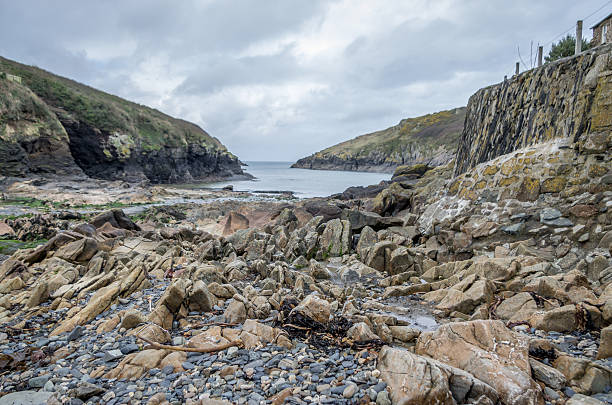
(25, 398)
(39, 382)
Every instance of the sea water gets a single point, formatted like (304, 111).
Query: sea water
(304, 183)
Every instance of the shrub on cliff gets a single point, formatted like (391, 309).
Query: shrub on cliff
(565, 47)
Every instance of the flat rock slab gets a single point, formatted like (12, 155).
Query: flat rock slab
(25, 398)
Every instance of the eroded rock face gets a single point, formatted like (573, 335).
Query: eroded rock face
(489, 351)
(336, 238)
(415, 379)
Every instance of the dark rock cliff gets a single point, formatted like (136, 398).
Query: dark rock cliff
(561, 100)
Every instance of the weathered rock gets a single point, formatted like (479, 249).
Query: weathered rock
(489, 351)
(517, 308)
(314, 308)
(404, 333)
(583, 375)
(6, 230)
(550, 376)
(367, 239)
(415, 379)
(235, 221)
(361, 219)
(235, 312)
(132, 318)
(336, 238)
(360, 332)
(78, 251)
(561, 319)
(115, 218)
(379, 256)
(605, 343)
(200, 299)
(26, 398)
(579, 399)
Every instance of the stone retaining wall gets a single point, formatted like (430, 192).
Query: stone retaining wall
(561, 100)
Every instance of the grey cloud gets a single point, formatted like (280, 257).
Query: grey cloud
(280, 104)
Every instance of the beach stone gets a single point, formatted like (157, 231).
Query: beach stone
(605, 343)
(26, 398)
(132, 318)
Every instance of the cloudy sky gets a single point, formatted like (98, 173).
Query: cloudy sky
(281, 79)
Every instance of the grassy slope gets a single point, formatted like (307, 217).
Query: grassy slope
(139, 125)
(24, 116)
(427, 133)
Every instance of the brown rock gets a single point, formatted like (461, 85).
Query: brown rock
(583, 210)
(315, 308)
(200, 299)
(78, 251)
(153, 332)
(235, 312)
(360, 332)
(489, 351)
(584, 376)
(174, 359)
(6, 230)
(519, 307)
(415, 380)
(561, 319)
(235, 221)
(605, 343)
(264, 332)
(132, 318)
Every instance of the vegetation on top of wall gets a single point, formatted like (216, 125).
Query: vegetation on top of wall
(565, 47)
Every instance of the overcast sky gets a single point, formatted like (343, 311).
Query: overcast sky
(279, 80)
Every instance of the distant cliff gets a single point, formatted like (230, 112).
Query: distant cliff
(50, 124)
(430, 139)
(562, 100)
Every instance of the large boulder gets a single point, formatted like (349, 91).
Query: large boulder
(415, 380)
(78, 251)
(324, 209)
(336, 238)
(391, 200)
(314, 308)
(489, 351)
(379, 256)
(200, 299)
(116, 218)
(367, 238)
(235, 221)
(361, 219)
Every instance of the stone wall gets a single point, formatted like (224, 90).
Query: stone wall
(564, 100)
(547, 168)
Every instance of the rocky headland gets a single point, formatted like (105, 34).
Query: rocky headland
(50, 125)
(431, 139)
(485, 280)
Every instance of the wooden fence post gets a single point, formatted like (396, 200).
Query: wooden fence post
(578, 37)
(540, 51)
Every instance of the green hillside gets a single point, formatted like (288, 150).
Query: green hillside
(108, 132)
(431, 138)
